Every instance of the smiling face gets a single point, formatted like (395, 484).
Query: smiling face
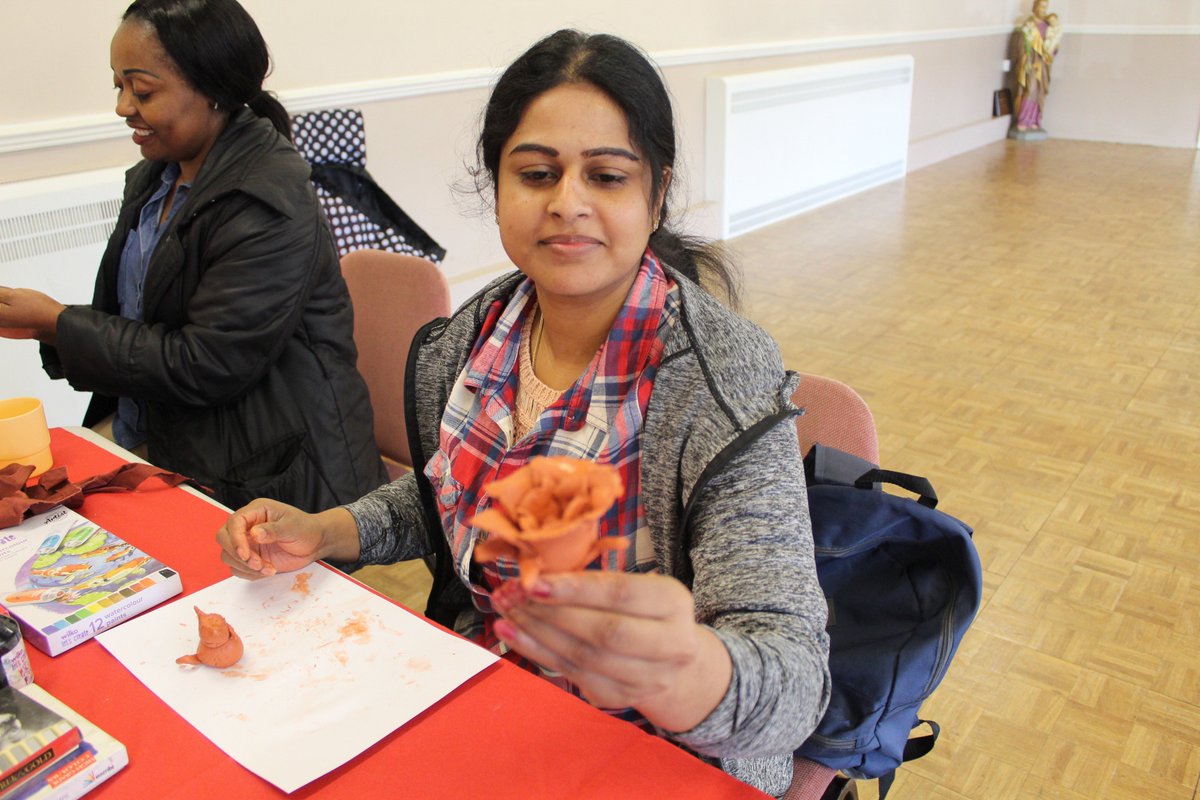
(171, 121)
(573, 196)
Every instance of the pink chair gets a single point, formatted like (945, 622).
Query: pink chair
(813, 781)
(834, 415)
(393, 296)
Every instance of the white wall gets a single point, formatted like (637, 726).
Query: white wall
(63, 45)
(420, 72)
(1132, 84)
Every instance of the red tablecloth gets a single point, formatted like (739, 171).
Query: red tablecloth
(505, 733)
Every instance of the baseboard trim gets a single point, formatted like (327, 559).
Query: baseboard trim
(939, 147)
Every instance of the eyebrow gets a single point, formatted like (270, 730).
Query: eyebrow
(136, 71)
(531, 147)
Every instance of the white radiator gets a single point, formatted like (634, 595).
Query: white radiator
(52, 234)
(786, 141)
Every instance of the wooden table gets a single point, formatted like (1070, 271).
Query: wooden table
(505, 733)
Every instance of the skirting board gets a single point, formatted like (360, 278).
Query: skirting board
(939, 147)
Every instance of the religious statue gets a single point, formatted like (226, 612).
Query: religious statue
(1036, 43)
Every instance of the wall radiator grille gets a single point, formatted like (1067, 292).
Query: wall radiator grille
(786, 141)
(52, 234)
(58, 229)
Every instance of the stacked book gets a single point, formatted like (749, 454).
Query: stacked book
(49, 752)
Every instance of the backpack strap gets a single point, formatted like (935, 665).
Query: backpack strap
(913, 749)
(919, 486)
(828, 465)
(921, 745)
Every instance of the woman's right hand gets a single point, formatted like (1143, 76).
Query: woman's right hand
(267, 536)
(26, 314)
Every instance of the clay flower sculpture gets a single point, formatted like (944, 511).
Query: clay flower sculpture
(546, 516)
(220, 646)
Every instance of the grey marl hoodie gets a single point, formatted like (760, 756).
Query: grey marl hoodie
(723, 492)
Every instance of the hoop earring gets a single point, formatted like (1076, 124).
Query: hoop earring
(215, 107)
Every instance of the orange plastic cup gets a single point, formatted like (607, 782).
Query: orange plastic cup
(24, 437)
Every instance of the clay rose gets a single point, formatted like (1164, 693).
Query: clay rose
(546, 516)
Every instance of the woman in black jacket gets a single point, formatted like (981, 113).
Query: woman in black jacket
(220, 332)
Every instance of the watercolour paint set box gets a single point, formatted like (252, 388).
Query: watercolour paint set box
(65, 579)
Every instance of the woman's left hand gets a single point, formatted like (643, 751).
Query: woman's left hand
(626, 640)
(26, 314)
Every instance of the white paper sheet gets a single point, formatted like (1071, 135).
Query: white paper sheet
(329, 669)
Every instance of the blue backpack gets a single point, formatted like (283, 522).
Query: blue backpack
(903, 583)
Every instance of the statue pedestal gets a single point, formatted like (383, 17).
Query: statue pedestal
(1034, 135)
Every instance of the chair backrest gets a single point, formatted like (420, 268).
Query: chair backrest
(361, 214)
(393, 296)
(331, 136)
(834, 415)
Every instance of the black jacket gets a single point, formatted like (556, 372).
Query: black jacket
(245, 358)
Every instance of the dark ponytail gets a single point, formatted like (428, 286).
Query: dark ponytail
(625, 74)
(703, 261)
(266, 104)
(218, 49)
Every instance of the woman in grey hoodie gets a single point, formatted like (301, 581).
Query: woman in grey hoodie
(709, 626)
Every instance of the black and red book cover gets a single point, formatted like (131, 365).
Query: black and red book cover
(32, 737)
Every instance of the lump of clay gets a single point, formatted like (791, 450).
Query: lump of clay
(220, 646)
(546, 516)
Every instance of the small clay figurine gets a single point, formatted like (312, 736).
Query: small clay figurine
(546, 516)
(220, 646)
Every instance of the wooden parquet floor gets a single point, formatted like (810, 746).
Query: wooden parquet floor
(1023, 322)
